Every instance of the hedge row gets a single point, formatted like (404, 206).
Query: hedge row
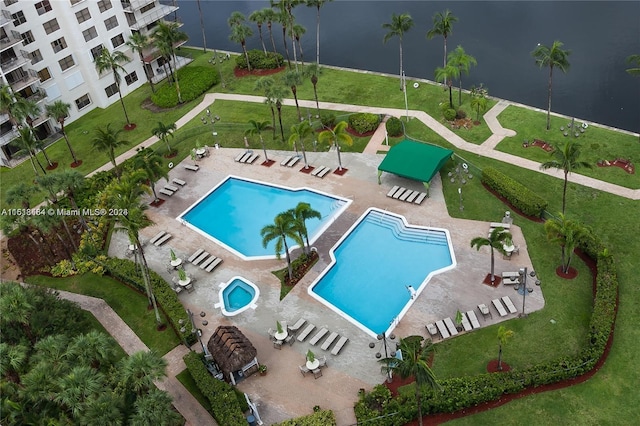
(518, 195)
(193, 82)
(260, 61)
(394, 127)
(319, 418)
(221, 395)
(464, 392)
(364, 122)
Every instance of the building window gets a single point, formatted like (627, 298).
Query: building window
(66, 63)
(51, 26)
(27, 38)
(74, 2)
(111, 23)
(104, 5)
(147, 8)
(10, 2)
(83, 15)
(82, 102)
(44, 74)
(117, 41)
(131, 78)
(36, 56)
(90, 33)
(58, 45)
(97, 51)
(111, 90)
(18, 18)
(43, 7)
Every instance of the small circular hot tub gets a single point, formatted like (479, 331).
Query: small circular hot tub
(236, 296)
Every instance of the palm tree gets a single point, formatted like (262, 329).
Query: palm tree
(301, 214)
(277, 94)
(299, 132)
(296, 32)
(503, 336)
(108, 140)
(269, 17)
(442, 26)
(495, 241)
(293, 78)
(166, 35)
(257, 16)
(77, 387)
(283, 227)
(313, 71)
(317, 4)
(335, 137)
(20, 193)
(399, 25)
(265, 84)
(204, 37)
(163, 131)
(154, 408)
(634, 61)
(16, 307)
(565, 157)
(59, 111)
(256, 128)
(138, 42)
(137, 373)
(239, 33)
(552, 57)
(148, 161)
(93, 349)
(478, 102)
(50, 184)
(7, 101)
(283, 19)
(566, 233)
(27, 144)
(463, 61)
(446, 76)
(12, 359)
(108, 61)
(414, 363)
(70, 181)
(26, 111)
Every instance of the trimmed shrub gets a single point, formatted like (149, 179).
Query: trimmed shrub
(222, 397)
(259, 60)
(394, 127)
(364, 122)
(194, 81)
(449, 114)
(461, 114)
(319, 418)
(517, 194)
(328, 119)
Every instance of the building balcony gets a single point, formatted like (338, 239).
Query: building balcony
(153, 53)
(131, 6)
(160, 73)
(7, 137)
(10, 64)
(10, 40)
(29, 78)
(156, 14)
(5, 18)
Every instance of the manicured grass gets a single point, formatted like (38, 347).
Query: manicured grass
(187, 381)
(130, 305)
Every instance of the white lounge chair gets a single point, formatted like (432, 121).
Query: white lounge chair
(413, 196)
(171, 187)
(392, 191)
(207, 261)
(166, 192)
(329, 340)
(465, 323)
(420, 198)
(196, 254)
(317, 170)
(179, 182)
(162, 240)
(305, 333)
(324, 172)
(474, 319)
(285, 161)
(509, 304)
(293, 161)
(338, 347)
(200, 258)
(213, 265)
(319, 335)
(451, 326)
(252, 159)
(298, 324)
(157, 237)
(494, 225)
(239, 157)
(406, 194)
(442, 329)
(399, 193)
(192, 167)
(498, 305)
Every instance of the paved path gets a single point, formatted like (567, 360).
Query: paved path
(183, 401)
(486, 149)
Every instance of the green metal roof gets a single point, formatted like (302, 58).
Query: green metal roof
(415, 160)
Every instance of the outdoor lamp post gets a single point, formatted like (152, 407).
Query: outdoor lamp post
(522, 288)
(198, 333)
(212, 119)
(460, 174)
(386, 341)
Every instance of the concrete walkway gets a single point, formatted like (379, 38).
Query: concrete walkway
(486, 149)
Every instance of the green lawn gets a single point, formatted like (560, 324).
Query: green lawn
(130, 305)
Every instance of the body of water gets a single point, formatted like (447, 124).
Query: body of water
(499, 34)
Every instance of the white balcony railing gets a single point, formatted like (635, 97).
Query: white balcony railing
(158, 13)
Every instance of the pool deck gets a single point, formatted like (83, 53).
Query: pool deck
(284, 393)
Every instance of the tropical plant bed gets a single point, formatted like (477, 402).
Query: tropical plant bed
(300, 268)
(569, 275)
(496, 280)
(238, 72)
(360, 135)
(492, 367)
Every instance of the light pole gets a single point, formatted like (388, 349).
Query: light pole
(460, 174)
(522, 288)
(404, 89)
(383, 338)
(198, 332)
(212, 119)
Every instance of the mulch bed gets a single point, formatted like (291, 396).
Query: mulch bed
(571, 274)
(157, 203)
(76, 164)
(243, 72)
(340, 172)
(360, 135)
(625, 165)
(492, 367)
(307, 170)
(129, 127)
(52, 166)
(496, 280)
(171, 154)
(302, 269)
(268, 163)
(540, 144)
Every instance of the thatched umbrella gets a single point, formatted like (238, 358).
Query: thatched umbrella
(231, 350)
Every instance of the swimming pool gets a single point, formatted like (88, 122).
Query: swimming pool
(233, 212)
(378, 265)
(236, 296)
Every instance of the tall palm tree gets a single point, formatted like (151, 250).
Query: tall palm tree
(313, 71)
(113, 62)
(301, 214)
(76, 388)
(552, 57)
(165, 36)
(70, 181)
(269, 18)
(283, 227)
(566, 233)
(463, 61)
(299, 132)
(49, 183)
(283, 19)
(108, 140)
(446, 76)
(414, 363)
(20, 193)
(293, 78)
(565, 157)
(26, 111)
(495, 242)
(265, 84)
(479, 103)
(634, 61)
(442, 26)
(93, 348)
(257, 17)
(27, 144)
(504, 335)
(239, 34)
(399, 25)
(256, 128)
(7, 101)
(278, 93)
(138, 42)
(335, 137)
(163, 132)
(204, 37)
(59, 111)
(296, 32)
(154, 408)
(148, 161)
(317, 4)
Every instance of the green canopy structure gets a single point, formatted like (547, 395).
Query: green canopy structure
(414, 160)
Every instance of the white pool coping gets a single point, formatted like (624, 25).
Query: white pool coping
(251, 305)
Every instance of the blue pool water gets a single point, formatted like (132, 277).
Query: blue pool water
(373, 265)
(234, 212)
(237, 295)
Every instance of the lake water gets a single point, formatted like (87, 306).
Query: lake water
(499, 34)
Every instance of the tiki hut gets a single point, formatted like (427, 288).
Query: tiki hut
(233, 352)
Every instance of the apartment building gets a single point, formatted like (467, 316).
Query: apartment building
(48, 48)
